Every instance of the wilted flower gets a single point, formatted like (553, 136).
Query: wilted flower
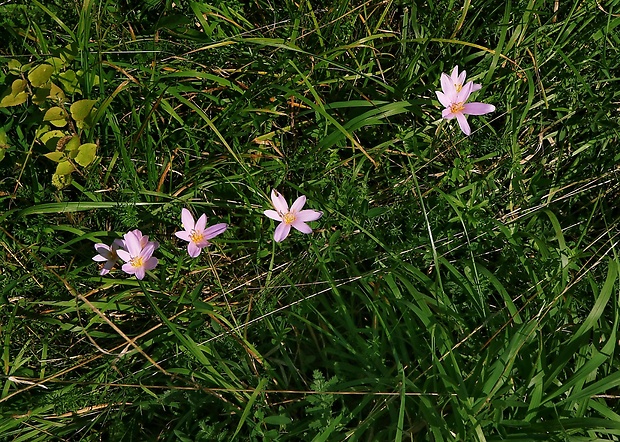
(294, 217)
(196, 233)
(454, 96)
(108, 255)
(138, 254)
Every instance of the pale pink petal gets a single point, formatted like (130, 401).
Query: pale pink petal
(301, 226)
(201, 223)
(464, 94)
(447, 86)
(183, 234)
(132, 243)
(281, 232)
(476, 108)
(100, 258)
(214, 230)
(150, 263)
(443, 99)
(129, 269)
(279, 202)
(193, 250)
(107, 267)
(147, 251)
(273, 215)
(461, 78)
(298, 204)
(463, 123)
(140, 272)
(187, 220)
(476, 87)
(454, 76)
(124, 255)
(102, 248)
(118, 244)
(308, 215)
(447, 114)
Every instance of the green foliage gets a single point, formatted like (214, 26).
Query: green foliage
(456, 288)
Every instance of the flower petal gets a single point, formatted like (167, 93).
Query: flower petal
(124, 255)
(193, 250)
(201, 223)
(214, 230)
(281, 232)
(463, 123)
(147, 251)
(151, 263)
(476, 87)
(443, 99)
(447, 114)
(140, 272)
(476, 108)
(461, 78)
(100, 258)
(279, 202)
(129, 269)
(183, 234)
(308, 215)
(454, 76)
(273, 215)
(133, 243)
(187, 220)
(118, 244)
(301, 226)
(447, 86)
(464, 94)
(298, 204)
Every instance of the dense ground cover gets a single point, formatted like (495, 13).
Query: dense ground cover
(455, 288)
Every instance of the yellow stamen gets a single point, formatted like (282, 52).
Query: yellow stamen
(288, 218)
(457, 107)
(195, 236)
(138, 261)
(458, 87)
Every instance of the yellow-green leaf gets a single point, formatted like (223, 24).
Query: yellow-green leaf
(40, 75)
(50, 138)
(73, 144)
(61, 181)
(14, 67)
(13, 100)
(55, 156)
(86, 154)
(55, 113)
(80, 109)
(64, 168)
(40, 95)
(55, 62)
(4, 142)
(69, 82)
(57, 94)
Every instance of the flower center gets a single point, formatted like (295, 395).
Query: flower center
(195, 236)
(138, 261)
(455, 108)
(288, 218)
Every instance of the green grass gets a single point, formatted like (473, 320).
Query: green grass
(456, 288)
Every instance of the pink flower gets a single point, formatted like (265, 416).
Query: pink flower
(108, 254)
(294, 217)
(454, 95)
(138, 254)
(196, 233)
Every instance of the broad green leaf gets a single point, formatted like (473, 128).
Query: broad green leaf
(57, 94)
(73, 144)
(14, 67)
(64, 168)
(40, 75)
(18, 86)
(56, 63)
(55, 156)
(51, 138)
(86, 154)
(2, 152)
(80, 109)
(70, 82)
(4, 142)
(14, 100)
(61, 181)
(54, 114)
(277, 420)
(40, 95)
